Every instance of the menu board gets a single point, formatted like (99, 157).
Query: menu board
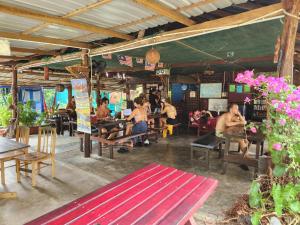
(211, 90)
(82, 101)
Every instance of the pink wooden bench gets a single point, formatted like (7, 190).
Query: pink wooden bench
(153, 195)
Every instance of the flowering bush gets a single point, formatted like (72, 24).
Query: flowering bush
(282, 130)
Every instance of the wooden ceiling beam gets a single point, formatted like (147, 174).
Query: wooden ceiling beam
(135, 22)
(30, 50)
(166, 11)
(68, 15)
(46, 40)
(12, 57)
(61, 21)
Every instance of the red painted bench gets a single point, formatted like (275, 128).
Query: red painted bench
(153, 195)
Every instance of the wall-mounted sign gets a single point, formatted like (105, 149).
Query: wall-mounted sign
(164, 71)
(192, 94)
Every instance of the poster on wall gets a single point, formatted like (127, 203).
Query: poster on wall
(217, 105)
(211, 90)
(192, 94)
(82, 100)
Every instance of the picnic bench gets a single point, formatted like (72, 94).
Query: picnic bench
(118, 141)
(207, 143)
(152, 195)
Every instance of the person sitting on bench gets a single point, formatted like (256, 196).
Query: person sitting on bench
(232, 118)
(139, 115)
(104, 113)
(171, 113)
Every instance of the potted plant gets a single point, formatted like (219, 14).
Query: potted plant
(27, 116)
(274, 198)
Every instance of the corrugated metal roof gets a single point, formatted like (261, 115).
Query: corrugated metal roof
(119, 15)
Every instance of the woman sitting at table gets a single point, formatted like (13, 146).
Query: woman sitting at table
(147, 107)
(139, 115)
(170, 112)
(103, 113)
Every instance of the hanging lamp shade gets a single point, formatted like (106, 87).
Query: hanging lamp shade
(152, 56)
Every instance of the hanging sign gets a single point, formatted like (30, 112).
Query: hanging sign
(82, 101)
(164, 71)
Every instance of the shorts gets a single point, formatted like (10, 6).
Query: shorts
(140, 127)
(219, 134)
(171, 121)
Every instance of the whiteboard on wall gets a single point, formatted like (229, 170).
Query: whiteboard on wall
(218, 105)
(211, 90)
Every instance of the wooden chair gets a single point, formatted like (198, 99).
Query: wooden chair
(22, 135)
(45, 151)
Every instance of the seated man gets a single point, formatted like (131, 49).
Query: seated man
(104, 113)
(171, 113)
(232, 118)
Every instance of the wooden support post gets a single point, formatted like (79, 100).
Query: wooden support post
(98, 98)
(288, 38)
(14, 92)
(87, 137)
(46, 73)
(69, 94)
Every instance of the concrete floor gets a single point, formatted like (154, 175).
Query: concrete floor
(77, 176)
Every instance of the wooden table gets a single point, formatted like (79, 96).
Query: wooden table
(239, 133)
(8, 146)
(153, 195)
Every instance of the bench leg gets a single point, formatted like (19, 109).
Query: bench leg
(100, 149)
(207, 154)
(192, 152)
(191, 221)
(111, 152)
(226, 150)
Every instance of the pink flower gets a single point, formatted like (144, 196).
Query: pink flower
(253, 130)
(277, 147)
(265, 94)
(282, 122)
(247, 100)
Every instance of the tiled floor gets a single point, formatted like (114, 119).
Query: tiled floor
(77, 176)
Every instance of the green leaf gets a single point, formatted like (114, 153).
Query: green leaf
(295, 206)
(279, 170)
(255, 218)
(277, 197)
(255, 195)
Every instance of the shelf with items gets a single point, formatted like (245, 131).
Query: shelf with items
(259, 109)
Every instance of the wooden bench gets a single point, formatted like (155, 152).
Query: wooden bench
(205, 144)
(152, 195)
(111, 143)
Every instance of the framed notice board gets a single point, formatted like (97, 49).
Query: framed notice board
(211, 90)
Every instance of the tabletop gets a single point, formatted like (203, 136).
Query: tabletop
(152, 195)
(7, 145)
(239, 132)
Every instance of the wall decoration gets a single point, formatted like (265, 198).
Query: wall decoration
(192, 94)
(218, 105)
(239, 88)
(210, 90)
(82, 101)
(232, 88)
